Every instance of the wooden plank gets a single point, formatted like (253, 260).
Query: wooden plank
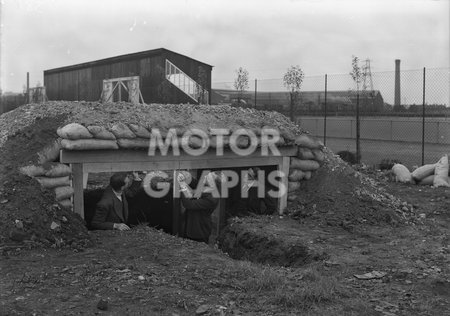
(284, 168)
(230, 163)
(95, 167)
(77, 183)
(102, 156)
(85, 179)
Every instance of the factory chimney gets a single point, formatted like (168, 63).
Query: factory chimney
(397, 83)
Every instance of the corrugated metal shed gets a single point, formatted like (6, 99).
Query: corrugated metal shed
(84, 81)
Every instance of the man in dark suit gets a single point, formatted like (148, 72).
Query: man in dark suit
(111, 211)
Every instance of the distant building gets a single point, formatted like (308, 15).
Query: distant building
(164, 77)
(370, 101)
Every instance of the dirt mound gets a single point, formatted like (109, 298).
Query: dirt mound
(337, 195)
(28, 136)
(28, 214)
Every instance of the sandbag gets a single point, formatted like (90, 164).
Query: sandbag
(308, 175)
(441, 173)
(427, 180)
(32, 171)
(129, 143)
(50, 152)
(50, 183)
(296, 175)
(193, 142)
(62, 193)
(293, 186)
(305, 153)
(73, 131)
(88, 144)
(213, 141)
(292, 197)
(120, 130)
(55, 170)
(66, 203)
(140, 131)
(306, 141)
(402, 174)
(423, 172)
(305, 165)
(318, 155)
(100, 132)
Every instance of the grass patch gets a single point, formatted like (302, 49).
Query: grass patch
(291, 288)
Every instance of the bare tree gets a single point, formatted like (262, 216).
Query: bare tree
(293, 80)
(241, 82)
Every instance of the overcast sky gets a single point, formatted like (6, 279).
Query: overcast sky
(263, 36)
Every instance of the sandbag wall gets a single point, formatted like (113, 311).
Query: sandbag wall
(55, 177)
(309, 158)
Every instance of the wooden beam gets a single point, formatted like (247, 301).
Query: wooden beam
(77, 183)
(284, 168)
(102, 156)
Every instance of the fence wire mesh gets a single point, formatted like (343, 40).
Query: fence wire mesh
(409, 123)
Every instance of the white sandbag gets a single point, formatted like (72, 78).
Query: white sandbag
(402, 174)
(213, 141)
(427, 180)
(140, 131)
(120, 130)
(50, 183)
(292, 197)
(66, 203)
(128, 143)
(100, 132)
(308, 142)
(441, 173)
(423, 172)
(305, 165)
(296, 175)
(55, 170)
(308, 175)
(62, 193)
(88, 144)
(74, 131)
(50, 152)
(319, 155)
(305, 153)
(32, 171)
(293, 186)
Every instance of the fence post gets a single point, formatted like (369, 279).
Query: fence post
(325, 113)
(423, 118)
(256, 89)
(28, 87)
(358, 150)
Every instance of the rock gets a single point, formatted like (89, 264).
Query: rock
(203, 309)
(54, 226)
(370, 275)
(18, 235)
(102, 305)
(19, 224)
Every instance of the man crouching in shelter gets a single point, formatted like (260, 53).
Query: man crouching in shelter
(111, 211)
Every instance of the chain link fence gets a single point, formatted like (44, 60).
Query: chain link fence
(409, 123)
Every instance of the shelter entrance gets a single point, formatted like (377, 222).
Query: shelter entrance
(96, 161)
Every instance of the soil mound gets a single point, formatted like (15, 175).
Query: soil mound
(338, 195)
(28, 136)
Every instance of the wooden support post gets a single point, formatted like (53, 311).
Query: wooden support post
(284, 169)
(77, 183)
(85, 179)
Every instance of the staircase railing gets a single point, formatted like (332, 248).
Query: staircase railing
(186, 84)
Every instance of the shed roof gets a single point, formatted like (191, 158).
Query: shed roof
(120, 58)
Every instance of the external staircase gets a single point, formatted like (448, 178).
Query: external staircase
(186, 84)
